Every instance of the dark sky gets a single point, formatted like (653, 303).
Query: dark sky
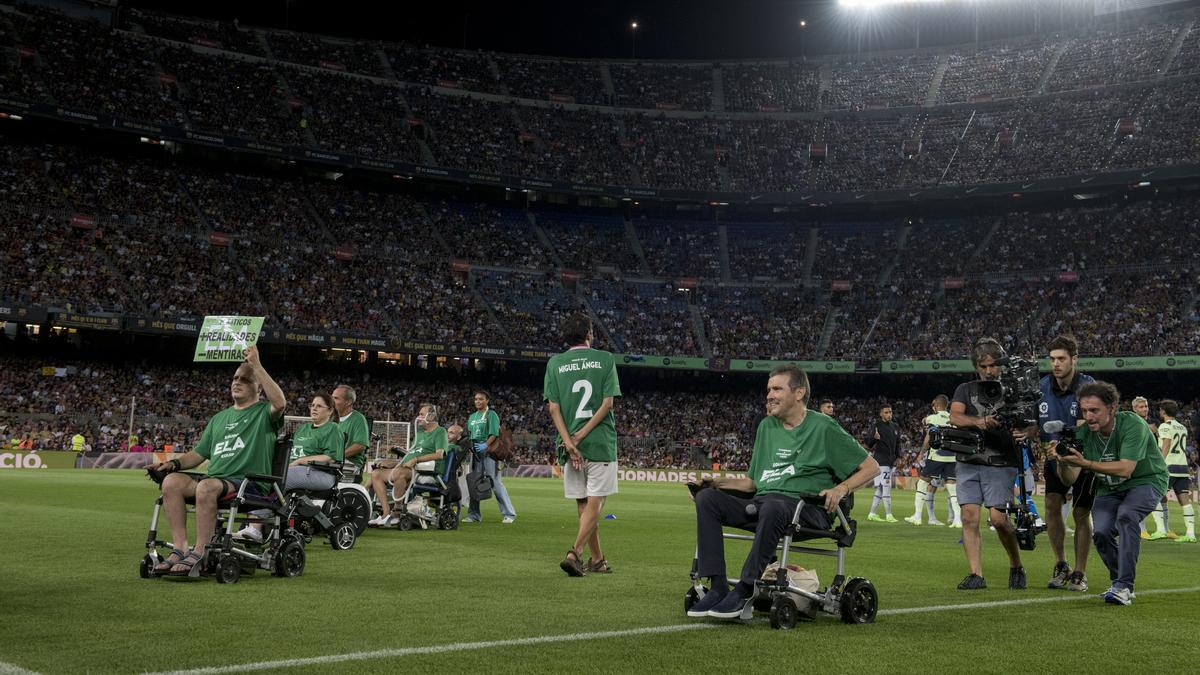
(679, 29)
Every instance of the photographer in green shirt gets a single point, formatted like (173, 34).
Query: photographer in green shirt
(1131, 478)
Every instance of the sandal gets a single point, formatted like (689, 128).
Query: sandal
(188, 562)
(170, 561)
(571, 565)
(597, 567)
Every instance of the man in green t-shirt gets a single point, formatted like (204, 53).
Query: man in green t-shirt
(430, 443)
(353, 425)
(579, 389)
(1131, 478)
(797, 453)
(237, 441)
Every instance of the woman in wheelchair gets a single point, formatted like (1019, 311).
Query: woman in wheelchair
(429, 444)
(317, 441)
(238, 441)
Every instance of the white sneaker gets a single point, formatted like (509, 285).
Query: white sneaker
(377, 521)
(391, 521)
(249, 533)
(508, 520)
(935, 521)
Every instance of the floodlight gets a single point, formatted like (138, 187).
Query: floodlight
(873, 4)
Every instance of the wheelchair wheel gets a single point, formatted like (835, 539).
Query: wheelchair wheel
(353, 507)
(692, 597)
(290, 560)
(406, 523)
(145, 566)
(343, 536)
(447, 520)
(859, 601)
(229, 571)
(783, 614)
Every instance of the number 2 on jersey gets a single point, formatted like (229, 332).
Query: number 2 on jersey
(583, 413)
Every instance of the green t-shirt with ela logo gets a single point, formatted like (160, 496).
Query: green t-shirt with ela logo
(1131, 439)
(814, 456)
(579, 380)
(354, 430)
(239, 442)
(326, 439)
(427, 443)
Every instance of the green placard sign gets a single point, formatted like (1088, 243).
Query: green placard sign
(226, 338)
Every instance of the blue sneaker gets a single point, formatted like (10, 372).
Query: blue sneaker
(730, 607)
(1118, 596)
(706, 603)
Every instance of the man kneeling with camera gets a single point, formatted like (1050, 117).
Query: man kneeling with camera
(1131, 478)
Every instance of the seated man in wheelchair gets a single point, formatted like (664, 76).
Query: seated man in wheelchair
(238, 441)
(316, 447)
(796, 452)
(430, 443)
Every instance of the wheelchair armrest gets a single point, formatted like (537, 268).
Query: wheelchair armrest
(263, 479)
(326, 467)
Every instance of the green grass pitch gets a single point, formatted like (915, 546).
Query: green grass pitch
(72, 600)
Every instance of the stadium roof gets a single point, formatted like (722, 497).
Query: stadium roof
(666, 29)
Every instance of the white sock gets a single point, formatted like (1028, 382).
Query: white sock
(1189, 519)
(1159, 525)
(921, 496)
(929, 506)
(952, 490)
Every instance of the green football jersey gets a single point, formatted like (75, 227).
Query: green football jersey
(816, 455)
(427, 443)
(1131, 439)
(579, 380)
(939, 419)
(239, 442)
(326, 439)
(1177, 434)
(354, 430)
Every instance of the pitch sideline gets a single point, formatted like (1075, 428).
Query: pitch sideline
(575, 637)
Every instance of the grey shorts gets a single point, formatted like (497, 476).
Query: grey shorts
(990, 486)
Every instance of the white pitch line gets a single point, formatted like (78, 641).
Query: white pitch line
(10, 669)
(575, 637)
(439, 649)
(1026, 601)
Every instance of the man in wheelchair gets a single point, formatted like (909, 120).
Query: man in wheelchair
(430, 443)
(796, 452)
(238, 441)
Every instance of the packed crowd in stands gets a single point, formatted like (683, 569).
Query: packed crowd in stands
(334, 100)
(154, 237)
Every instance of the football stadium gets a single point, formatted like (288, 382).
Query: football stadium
(804, 336)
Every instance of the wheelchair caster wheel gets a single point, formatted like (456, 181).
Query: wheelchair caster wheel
(406, 523)
(145, 567)
(229, 571)
(783, 614)
(859, 601)
(447, 519)
(343, 536)
(289, 562)
(692, 597)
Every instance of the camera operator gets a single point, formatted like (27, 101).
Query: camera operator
(1131, 478)
(986, 478)
(1059, 403)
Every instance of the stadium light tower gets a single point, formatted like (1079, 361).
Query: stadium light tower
(633, 26)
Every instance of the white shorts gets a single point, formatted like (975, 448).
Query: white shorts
(884, 478)
(596, 479)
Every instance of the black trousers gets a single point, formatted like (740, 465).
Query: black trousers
(768, 520)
